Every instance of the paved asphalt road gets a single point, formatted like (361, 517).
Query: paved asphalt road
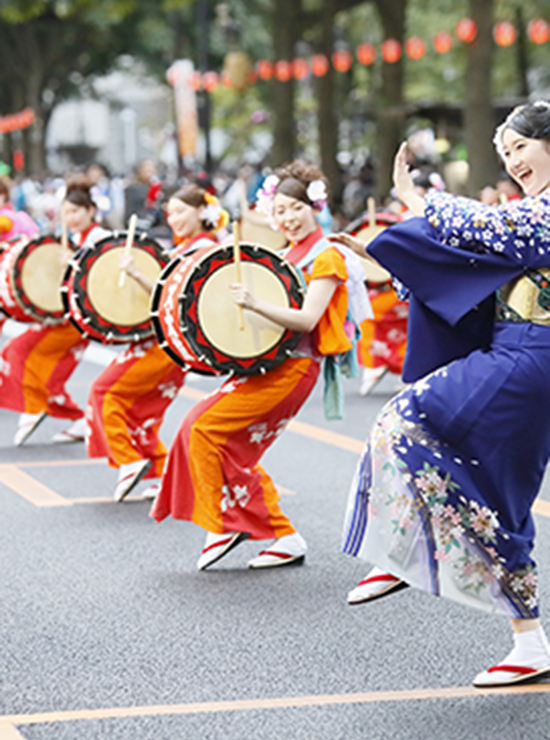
(108, 631)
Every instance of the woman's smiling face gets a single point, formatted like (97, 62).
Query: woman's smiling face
(183, 219)
(294, 218)
(527, 161)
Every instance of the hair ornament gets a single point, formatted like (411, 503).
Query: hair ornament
(214, 215)
(266, 194)
(317, 193)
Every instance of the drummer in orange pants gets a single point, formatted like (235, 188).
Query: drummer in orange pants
(383, 339)
(128, 400)
(213, 476)
(35, 365)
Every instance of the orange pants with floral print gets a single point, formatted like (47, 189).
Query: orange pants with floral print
(127, 403)
(35, 366)
(213, 476)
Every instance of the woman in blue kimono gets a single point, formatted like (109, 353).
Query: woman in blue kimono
(442, 495)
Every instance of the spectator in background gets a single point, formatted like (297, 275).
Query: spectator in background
(12, 222)
(143, 197)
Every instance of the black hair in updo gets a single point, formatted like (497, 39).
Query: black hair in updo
(79, 192)
(531, 120)
(295, 177)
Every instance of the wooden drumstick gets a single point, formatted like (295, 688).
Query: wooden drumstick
(371, 207)
(237, 258)
(129, 242)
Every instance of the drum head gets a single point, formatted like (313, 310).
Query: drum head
(364, 230)
(127, 305)
(95, 301)
(255, 228)
(36, 278)
(219, 316)
(211, 318)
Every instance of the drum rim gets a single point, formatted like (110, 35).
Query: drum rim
(92, 328)
(156, 297)
(37, 314)
(286, 344)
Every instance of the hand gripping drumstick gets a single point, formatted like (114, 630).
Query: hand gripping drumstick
(129, 242)
(237, 258)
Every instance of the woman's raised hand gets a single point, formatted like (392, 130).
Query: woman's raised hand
(404, 184)
(350, 241)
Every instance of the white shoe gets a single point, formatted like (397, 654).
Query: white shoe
(75, 433)
(288, 550)
(376, 584)
(371, 376)
(129, 476)
(506, 675)
(218, 545)
(26, 426)
(152, 492)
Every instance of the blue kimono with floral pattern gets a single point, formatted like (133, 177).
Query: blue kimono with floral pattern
(442, 494)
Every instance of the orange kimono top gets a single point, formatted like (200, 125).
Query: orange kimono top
(317, 258)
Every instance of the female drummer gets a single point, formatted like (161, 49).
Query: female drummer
(442, 496)
(128, 400)
(213, 476)
(36, 364)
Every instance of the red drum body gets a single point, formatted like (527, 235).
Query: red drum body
(95, 302)
(366, 231)
(31, 274)
(197, 322)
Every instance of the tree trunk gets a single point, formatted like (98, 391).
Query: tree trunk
(479, 121)
(285, 25)
(390, 115)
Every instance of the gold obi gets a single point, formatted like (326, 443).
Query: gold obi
(529, 296)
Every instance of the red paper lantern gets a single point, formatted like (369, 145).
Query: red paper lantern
(18, 160)
(283, 70)
(504, 33)
(366, 54)
(466, 30)
(539, 31)
(320, 65)
(300, 69)
(443, 42)
(195, 81)
(265, 69)
(342, 60)
(211, 81)
(391, 51)
(415, 47)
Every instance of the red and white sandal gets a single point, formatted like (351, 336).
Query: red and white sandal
(218, 545)
(378, 583)
(508, 675)
(288, 550)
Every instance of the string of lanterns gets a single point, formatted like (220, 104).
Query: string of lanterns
(238, 71)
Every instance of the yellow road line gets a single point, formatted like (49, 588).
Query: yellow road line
(29, 488)
(62, 463)
(286, 702)
(8, 732)
(542, 507)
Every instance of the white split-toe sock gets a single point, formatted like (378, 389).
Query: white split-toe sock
(530, 659)
(26, 426)
(378, 583)
(288, 550)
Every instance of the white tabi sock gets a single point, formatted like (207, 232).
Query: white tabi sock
(530, 649)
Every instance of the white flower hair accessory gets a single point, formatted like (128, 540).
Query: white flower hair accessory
(317, 193)
(266, 194)
(213, 214)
